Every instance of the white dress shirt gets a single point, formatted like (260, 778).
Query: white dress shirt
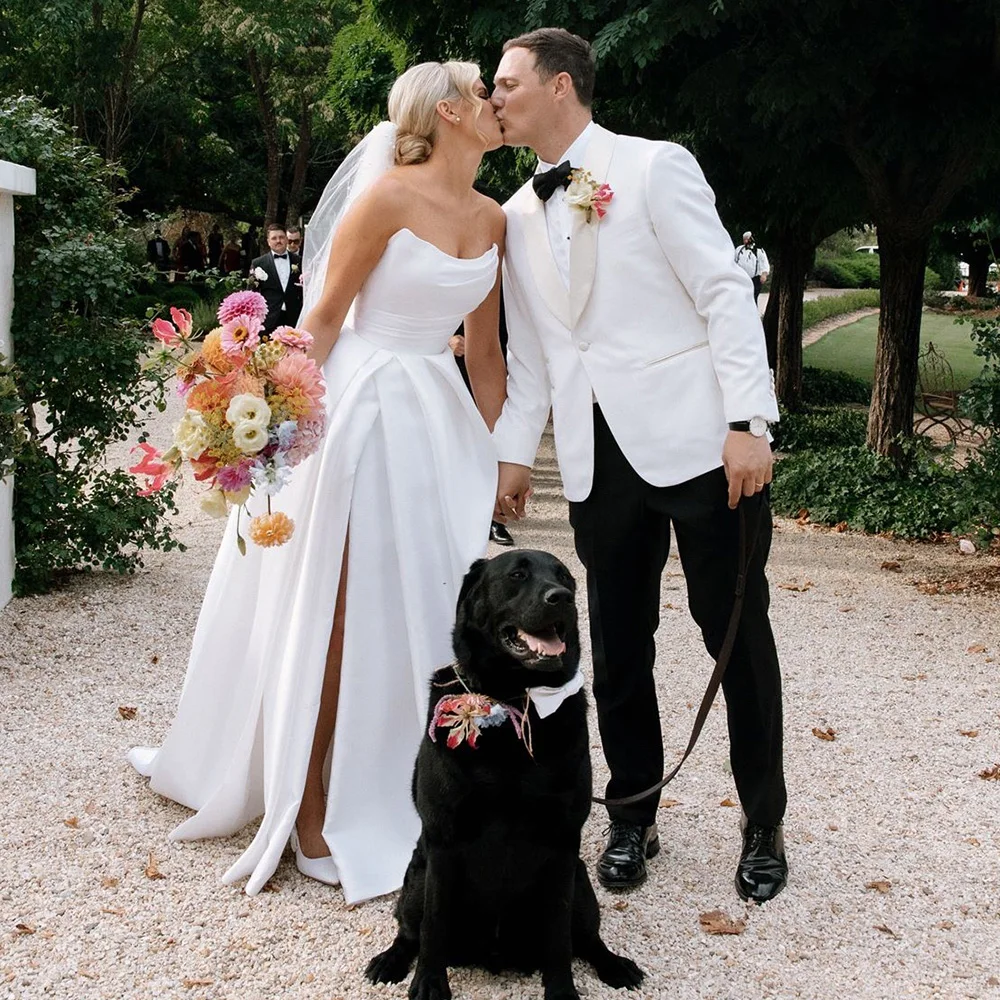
(283, 267)
(754, 262)
(558, 216)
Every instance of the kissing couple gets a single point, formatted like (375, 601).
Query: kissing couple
(307, 687)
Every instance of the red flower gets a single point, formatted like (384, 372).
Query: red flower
(156, 471)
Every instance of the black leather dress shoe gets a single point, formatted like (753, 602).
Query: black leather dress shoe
(623, 863)
(763, 870)
(500, 534)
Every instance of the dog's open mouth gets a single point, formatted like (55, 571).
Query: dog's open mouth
(537, 646)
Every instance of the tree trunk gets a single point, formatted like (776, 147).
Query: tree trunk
(979, 266)
(269, 126)
(796, 259)
(902, 263)
(302, 151)
(771, 315)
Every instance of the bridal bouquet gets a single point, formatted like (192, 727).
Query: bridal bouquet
(254, 410)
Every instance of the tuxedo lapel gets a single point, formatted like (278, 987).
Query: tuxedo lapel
(584, 235)
(543, 266)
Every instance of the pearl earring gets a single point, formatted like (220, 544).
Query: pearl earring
(457, 119)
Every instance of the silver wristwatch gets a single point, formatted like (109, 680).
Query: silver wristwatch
(757, 426)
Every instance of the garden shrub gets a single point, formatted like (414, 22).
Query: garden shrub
(822, 387)
(861, 270)
(78, 354)
(836, 305)
(820, 427)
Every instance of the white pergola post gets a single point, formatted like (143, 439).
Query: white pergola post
(14, 179)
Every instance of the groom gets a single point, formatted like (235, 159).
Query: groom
(629, 318)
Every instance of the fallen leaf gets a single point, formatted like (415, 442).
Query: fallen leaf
(993, 981)
(109, 882)
(152, 868)
(127, 711)
(892, 566)
(991, 773)
(668, 803)
(622, 904)
(727, 802)
(824, 734)
(969, 732)
(797, 587)
(840, 527)
(973, 841)
(914, 677)
(927, 587)
(846, 608)
(977, 648)
(191, 983)
(87, 973)
(886, 930)
(72, 822)
(955, 587)
(364, 931)
(154, 659)
(271, 886)
(717, 922)
(112, 910)
(669, 606)
(945, 925)
(880, 885)
(23, 929)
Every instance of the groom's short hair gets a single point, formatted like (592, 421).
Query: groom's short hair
(557, 50)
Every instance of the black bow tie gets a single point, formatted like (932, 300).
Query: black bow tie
(281, 256)
(547, 181)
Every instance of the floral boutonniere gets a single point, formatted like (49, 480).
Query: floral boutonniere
(587, 195)
(466, 715)
(295, 268)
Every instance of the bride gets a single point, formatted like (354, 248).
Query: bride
(307, 686)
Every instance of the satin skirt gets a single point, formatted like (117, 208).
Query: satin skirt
(408, 469)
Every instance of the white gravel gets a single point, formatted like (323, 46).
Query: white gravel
(897, 672)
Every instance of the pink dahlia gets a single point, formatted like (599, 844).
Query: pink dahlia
(241, 335)
(300, 340)
(242, 304)
(299, 385)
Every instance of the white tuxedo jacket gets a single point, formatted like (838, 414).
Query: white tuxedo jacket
(658, 323)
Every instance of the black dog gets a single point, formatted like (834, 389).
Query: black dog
(496, 878)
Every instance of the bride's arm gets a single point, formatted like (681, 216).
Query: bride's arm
(483, 356)
(357, 246)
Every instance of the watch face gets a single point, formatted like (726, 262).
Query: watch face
(758, 426)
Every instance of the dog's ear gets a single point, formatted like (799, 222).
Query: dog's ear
(472, 578)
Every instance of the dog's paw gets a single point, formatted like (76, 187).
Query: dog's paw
(430, 986)
(561, 993)
(619, 972)
(392, 965)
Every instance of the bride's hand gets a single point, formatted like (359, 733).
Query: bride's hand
(513, 490)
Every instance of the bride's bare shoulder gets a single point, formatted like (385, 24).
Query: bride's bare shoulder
(492, 215)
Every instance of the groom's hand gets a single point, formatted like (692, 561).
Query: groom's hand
(513, 489)
(748, 463)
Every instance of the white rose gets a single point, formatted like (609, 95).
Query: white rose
(250, 438)
(248, 409)
(191, 435)
(260, 274)
(579, 194)
(214, 503)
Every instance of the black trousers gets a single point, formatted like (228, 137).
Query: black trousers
(756, 286)
(622, 534)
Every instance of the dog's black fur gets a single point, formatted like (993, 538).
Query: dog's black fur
(496, 878)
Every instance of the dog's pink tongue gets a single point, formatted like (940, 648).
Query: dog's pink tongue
(544, 647)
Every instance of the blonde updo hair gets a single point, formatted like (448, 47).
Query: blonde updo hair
(413, 104)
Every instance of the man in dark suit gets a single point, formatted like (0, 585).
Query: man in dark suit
(278, 274)
(158, 252)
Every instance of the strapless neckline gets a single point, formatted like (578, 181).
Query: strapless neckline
(434, 246)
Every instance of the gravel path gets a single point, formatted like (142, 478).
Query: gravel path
(892, 834)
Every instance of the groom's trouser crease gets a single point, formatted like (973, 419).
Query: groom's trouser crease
(622, 534)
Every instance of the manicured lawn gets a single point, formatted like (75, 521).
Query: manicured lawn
(852, 348)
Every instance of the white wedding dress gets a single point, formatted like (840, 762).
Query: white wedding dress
(407, 465)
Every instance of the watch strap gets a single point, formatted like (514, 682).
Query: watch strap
(739, 425)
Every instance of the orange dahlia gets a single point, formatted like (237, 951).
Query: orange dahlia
(209, 396)
(298, 386)
(213, 355)
(267, 530)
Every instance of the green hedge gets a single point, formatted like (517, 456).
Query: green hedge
(837, 305)
(826, 387)
(861, 270)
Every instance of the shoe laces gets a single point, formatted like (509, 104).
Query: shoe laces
(619, 829)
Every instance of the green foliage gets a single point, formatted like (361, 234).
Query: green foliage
(981, 401)
(820, 427)
(823, 387)
(871, 493)
(861, 270)
(78, 361)
(12, 433)
(837, 305)
(960, 303)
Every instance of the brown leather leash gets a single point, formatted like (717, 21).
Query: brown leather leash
(746, 553)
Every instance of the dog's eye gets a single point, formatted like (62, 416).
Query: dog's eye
(518, 574)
